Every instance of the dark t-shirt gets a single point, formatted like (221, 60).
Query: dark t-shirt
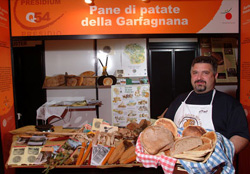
(227, 113)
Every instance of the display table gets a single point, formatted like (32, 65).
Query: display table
(93, 170)
(66, 144)
(134, 167)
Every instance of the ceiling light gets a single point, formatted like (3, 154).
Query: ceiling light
(89, 1)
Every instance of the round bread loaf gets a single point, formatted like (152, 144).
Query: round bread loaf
(71, 81)
(107, 81)
(155, 138)
(88, 81)
(212, 136)
(87, 74)
(167, 123)
(196, 131)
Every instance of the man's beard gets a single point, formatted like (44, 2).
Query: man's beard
(200, 87)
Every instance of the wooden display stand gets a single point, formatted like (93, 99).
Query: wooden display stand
(134, 167)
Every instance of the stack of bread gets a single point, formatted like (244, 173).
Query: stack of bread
(122, 142)
(86, 78)
(195, 144)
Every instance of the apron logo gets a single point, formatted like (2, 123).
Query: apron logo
(189, 119)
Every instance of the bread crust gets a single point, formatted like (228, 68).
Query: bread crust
(132, 126)
(168, 124)
(88, 79)
(206, 144)
(155, 138)
(192, 130)
(185, 144)
(71, 81)
(116, 155)
(54, 81)
(211, 135)
(130, 152)
(87, 74)
(79, 81)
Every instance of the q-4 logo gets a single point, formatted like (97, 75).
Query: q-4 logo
(30, 19)
(37, 17)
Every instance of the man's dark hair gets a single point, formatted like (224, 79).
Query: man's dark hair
(206, 59)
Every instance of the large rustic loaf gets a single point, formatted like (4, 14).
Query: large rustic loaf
(156, 138)
(168, 124)
(184, 144)
(54, 81)
(88, 79)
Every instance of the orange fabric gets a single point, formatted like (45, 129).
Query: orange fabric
(7, 113)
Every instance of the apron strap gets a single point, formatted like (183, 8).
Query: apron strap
(188, 96)
(214, 91)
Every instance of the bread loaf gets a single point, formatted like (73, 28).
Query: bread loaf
(71, 81)
(87, 74)
(197, 131)
(206, 145)
(144, 123)
(88, 79)
(54, 81)
(130, 152)
(116, 155)
(107, 81)
(212, 136)
(168, 124)
(184, 144)
(79, 81)
(132, 126)
(155, 138)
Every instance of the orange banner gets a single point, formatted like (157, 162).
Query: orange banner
(245, 61)
(243, 162)
(64, 17)
(7, 114)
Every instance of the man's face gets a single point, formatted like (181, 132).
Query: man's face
(202, 77)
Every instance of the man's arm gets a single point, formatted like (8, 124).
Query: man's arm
(239, 143)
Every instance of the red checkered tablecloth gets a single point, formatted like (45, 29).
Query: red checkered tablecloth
(147, 160)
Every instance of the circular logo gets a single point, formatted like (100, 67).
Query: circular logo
(228, 16)
(39, 19)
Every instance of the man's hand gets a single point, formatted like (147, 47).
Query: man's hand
(239, 143)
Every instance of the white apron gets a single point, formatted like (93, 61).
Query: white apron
(190, 114)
